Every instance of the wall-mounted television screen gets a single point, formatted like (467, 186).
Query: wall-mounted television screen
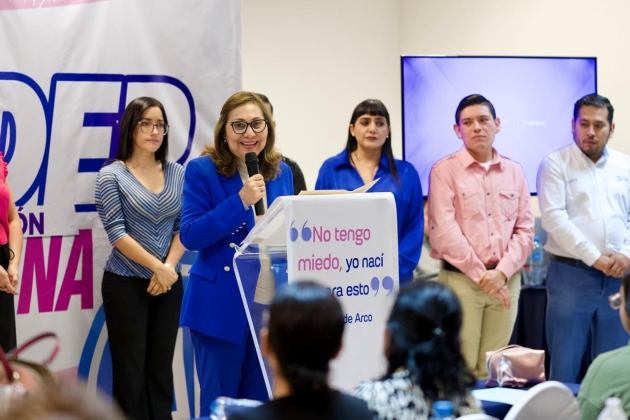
(533, 97)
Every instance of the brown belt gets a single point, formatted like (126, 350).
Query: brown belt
(570, 261)
(450, 267)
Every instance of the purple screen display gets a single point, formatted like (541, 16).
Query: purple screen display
(533, 98)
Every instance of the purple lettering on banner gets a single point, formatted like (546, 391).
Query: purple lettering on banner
(81, 247)
(38, 4)
(34, 267)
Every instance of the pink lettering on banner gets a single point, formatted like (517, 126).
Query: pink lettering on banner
(35, 267)
(321, 234)
(46, 280)
(82, 247)
(39, 4)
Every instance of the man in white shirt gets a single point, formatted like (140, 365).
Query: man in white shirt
(584, 196)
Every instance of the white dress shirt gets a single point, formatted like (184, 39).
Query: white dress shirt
(585, 206)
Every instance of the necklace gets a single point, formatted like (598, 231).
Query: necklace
(356, 162)
(144, 171)
(371, 168)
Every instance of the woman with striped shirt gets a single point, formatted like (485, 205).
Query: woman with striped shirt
(138, 197)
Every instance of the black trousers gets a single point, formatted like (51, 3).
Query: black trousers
(142, 332)
(8, 339)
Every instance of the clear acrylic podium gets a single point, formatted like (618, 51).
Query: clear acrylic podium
(346, 242)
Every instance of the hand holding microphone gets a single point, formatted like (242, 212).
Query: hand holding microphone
(253, 190)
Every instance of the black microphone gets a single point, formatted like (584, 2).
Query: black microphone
(251, 160)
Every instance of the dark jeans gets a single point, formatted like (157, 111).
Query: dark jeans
(577, 309)
(142, 332)
(8, 339)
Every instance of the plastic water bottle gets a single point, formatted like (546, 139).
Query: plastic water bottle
(612, 410)
(537, 274)
(442, 410)
(224, 407)
(526, 272)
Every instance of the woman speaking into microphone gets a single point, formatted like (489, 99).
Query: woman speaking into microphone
(217, 214)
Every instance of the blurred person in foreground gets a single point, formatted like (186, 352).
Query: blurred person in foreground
(424, 359)
(63, 402)
(609, 373)
(303, 335)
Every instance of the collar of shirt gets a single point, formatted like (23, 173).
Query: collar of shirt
(343, 159)
(467, 160)
(578, 154)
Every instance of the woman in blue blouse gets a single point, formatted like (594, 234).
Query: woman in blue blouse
(138, 197)
(368, 156)
(217, 214)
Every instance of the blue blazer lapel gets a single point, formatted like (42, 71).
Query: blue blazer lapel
(232, 186)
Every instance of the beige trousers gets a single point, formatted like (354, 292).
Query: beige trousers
(487, 325)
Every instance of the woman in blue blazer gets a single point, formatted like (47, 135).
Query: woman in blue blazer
(368, 156)
(217, 214)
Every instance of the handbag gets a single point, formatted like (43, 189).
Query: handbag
(19, 376)
(515, 367)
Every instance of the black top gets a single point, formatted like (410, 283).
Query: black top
(299, 184)
(329, 406)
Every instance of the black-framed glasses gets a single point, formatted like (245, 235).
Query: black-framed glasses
(615, 300)
(240, 127)
(147, 127)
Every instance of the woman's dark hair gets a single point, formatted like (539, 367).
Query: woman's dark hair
(424, 327)
(220, 153)
(305, 331)
(131, 117)
(374, 108)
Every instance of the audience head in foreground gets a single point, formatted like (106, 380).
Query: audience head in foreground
(424, 360)
(608, 375)
(63, 402)
(303, 334)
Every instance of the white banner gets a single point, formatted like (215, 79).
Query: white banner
(349, 244)
(68, 69)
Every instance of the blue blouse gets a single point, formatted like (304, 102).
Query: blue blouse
(338, 173)
(126, 207)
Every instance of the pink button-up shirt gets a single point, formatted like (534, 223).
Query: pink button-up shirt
(479, 218)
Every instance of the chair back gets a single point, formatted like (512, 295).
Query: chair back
(549, 400)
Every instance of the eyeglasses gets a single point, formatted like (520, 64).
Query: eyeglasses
(240, 127)
(147, 127)
(615, 301)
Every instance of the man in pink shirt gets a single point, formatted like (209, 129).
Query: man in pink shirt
(482, 228)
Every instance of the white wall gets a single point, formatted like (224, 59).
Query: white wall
(317, 59)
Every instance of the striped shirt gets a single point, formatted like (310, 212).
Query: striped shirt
(126, 207)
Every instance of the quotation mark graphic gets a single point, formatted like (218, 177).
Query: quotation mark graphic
(388, 284)
(306, 233)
